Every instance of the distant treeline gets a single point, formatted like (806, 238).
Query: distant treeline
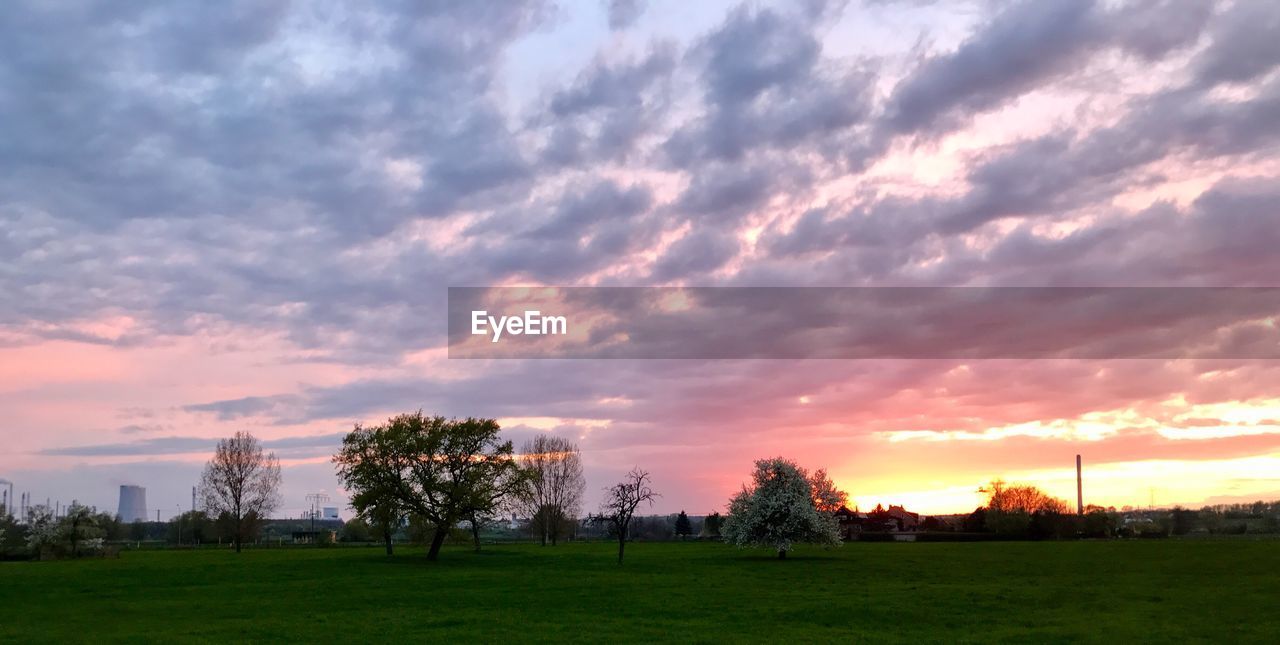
(1025, 512)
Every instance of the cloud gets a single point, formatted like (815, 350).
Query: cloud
(624, 13)
(1026, 46)
(184, 445)
(232, 409)
(306, 180)
(1241, 47)
(785, 95)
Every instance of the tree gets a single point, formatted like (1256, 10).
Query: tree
(784, 506)
(75, 533)
(552, 485)
(620, 503)
(490, 494)
(440, 470)
(191, 527)
(1015, 510)
(78, 526)
(1182, 521)
(241, 482)
(711, 526)
(356, 529)
(138, 531)
(366, 465)
(683, 527)
(42, 529)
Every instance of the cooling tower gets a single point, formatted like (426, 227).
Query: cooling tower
(133, 504)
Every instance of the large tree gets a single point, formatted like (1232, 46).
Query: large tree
(440, 470)
(241, 482)
(783, 506)
(1012, 509)
(552, 485)
(366, 467)
(620, 503)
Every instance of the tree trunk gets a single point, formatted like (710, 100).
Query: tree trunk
(475, 532)
(622, 544)
(782, 554)
(436, 541)
(239, 531)
(386, 538)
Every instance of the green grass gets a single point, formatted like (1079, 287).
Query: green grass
(870, 592)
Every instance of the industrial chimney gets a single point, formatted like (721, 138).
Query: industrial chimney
(1079, 489)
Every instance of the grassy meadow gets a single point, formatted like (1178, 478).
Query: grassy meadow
(1158, 590)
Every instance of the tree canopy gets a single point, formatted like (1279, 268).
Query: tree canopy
(441, 470)
(550, 491)
(783, 506)
(241, 482)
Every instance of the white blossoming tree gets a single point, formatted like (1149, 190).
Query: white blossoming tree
(42, 529)
(74, 534)
(784, 506)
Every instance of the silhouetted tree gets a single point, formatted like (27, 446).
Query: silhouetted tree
(620, 503)
(241, 481)
(1182, 520)
(1022, 511)
(976, 522)
(711, 526)
(683, 527)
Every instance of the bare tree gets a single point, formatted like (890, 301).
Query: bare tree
(240, 481)
(552, 485)
(620, 503)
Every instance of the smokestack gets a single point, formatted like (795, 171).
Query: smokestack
(1079, 489)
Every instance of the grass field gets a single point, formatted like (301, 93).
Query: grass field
(1026, 592)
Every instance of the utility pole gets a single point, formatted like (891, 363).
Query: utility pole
(315, 499)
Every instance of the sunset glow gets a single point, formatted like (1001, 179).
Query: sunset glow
(259, 233)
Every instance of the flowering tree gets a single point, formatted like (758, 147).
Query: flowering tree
(42, 529)
(783, 506)
(75, 533)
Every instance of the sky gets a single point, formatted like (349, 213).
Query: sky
(246, 216)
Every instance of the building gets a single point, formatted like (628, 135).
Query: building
(133, 504)
(906, 520)
(894, 519)
(329, 513)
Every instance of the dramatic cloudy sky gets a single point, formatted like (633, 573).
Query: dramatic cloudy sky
(245, 216)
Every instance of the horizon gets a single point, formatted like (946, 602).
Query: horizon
(222, 221)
